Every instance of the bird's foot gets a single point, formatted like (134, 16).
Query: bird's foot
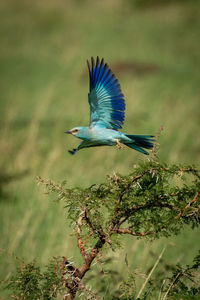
(119, 145)
(72, 152)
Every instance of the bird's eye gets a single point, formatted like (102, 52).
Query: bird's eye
(75, 131)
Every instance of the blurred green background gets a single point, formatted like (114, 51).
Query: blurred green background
(154, 51)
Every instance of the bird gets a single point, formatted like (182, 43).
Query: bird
(107, 113)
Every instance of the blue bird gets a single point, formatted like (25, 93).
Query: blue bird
(107, 110)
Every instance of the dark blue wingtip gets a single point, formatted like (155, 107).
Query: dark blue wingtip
(72, 152)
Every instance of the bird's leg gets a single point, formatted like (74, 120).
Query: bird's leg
(119, 146)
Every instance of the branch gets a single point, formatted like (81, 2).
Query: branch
(98, 231)
(189, 204)
(72, 280)
(151, 170)
(78, 232)
(149, 276)
(50, 186)
(90, 257)
(155, 145)
(85, 289)
(152, 205)
(129, 231)
(193, 200)
(135, 209)
(178, 275)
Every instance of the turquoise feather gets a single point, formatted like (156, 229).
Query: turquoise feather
(106, 100)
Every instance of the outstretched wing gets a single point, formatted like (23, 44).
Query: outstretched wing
(106, 100)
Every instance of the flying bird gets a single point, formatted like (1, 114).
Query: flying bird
(107, 111)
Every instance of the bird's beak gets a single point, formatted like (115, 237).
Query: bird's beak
(68, 131)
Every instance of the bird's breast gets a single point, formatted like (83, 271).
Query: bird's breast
(102, 135)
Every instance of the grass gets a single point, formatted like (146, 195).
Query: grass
(44, 46)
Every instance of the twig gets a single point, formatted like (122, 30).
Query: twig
(78, 233)
(15, 297)
(193, 200)
(155, 145)
(172, 284)
(52, 186)
(161, 288)
(189, 204)
(72, 282)
(148, 277)
(134, 233)
(83, 288)
(134, 209)
(98, 231)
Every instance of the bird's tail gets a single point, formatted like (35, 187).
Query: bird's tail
(140, 141)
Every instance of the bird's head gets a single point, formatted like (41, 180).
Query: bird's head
(76, 131)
